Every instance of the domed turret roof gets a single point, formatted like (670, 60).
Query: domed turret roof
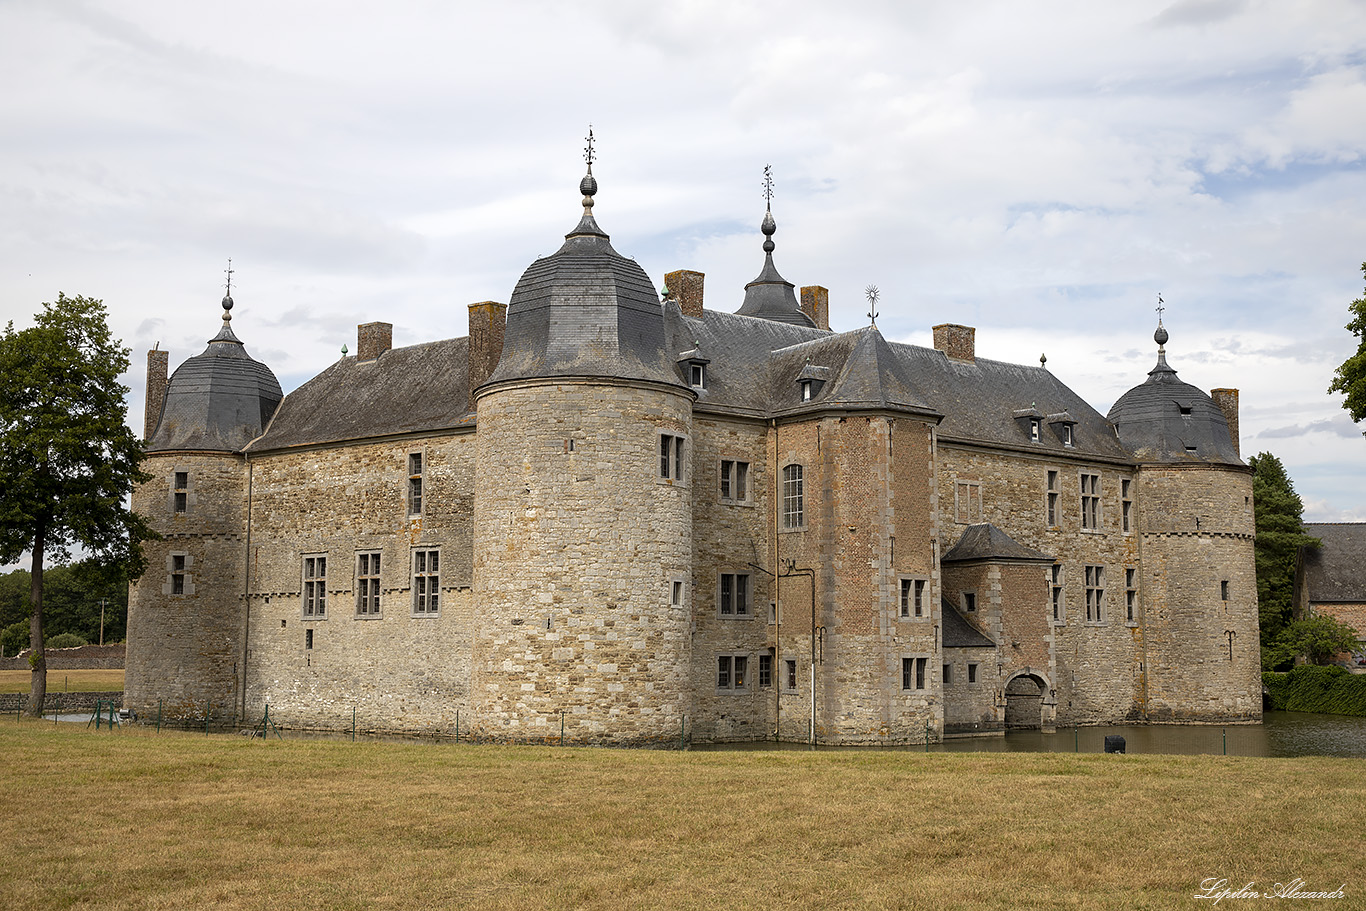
(1166, 420)
(585, 310)
(217, 401)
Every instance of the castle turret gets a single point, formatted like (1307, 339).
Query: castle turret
(582, 515)
(770, 296)
(185, 620)
(1200, 648)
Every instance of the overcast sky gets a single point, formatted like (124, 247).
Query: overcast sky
(1041, 171)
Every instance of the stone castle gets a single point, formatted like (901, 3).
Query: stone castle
(613, 519)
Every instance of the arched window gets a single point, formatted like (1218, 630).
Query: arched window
(793, 509)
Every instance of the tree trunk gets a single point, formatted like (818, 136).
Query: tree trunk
(37, 659)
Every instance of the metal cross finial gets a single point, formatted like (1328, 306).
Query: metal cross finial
(872, 294)
(1160, 308)
(229, 274)
(589, 155)
(768, 186)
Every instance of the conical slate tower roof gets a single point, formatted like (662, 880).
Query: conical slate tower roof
(217, 401)
(770, 296)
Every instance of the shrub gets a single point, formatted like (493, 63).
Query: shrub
(67, 640)
(1310, 688)
(14, 638)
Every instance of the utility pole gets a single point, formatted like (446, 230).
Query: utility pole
(103, 601)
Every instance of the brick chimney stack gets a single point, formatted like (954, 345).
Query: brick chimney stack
(373, 339)
(686, 287)
(958, 342)
(488, 321)
(1227, 400)
(816, 304)
(157, 363)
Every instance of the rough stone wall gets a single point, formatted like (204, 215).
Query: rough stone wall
(970, 706)
(488, 323)
(816, 304)
(373, 339)
(1097, 669)
(958, 342)
(158, 363)
(98, 657)
(183, 649)
(687, 287)
(577, 542)
(1197, 525)
(398, 671)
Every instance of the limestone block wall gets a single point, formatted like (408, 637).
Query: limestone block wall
(1203, 658)
(1098, 663)
(970, 705)
(578, 540)
(397, 669)
(184, 646)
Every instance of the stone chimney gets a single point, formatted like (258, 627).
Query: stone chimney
(1227, 400)
(488, 320)
(157, 362)
(816, 304)
(958, 342)
(686, 288)
(373, 339)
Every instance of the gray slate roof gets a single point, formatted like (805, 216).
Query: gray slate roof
(1336, 571)
(1166, 420)
(217, 401)
(959, 633)
(985, 541)
(422, 388)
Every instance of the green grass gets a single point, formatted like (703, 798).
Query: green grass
(73, 681)
(134, 819)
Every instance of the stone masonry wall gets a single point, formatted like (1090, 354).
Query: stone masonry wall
(80, 658)
(578, 540)
(398, 670)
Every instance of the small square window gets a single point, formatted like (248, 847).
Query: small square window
(732, 673)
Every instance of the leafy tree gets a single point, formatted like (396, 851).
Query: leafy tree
(1319, 639)
(1280, 535)
(14, 638)
(68, 462)
(1350, 378)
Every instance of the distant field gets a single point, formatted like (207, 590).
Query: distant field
(78, 681)
(140, 820)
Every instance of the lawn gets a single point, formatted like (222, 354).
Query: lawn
(74, 681)
(136, 819)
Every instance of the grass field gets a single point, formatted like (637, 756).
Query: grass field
(75, 681)
(134, 819)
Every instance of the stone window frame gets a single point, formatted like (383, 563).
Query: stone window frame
(369, 569)
(1126, 505)
(739, 596)
(968, 601)
(731, 474)
(678, 591)
(1224, 590)
(1036, 430)
(180, 491)
(1057, 593)
(1052, 497)
(416, 462)
(1094, 582)
(792, 494)
(913, 599)
(308, 639)
(697, 374)
(679, 451)
(967, 501)
(179, 578)
(947, 672)
(792, 680)
(1090, 494)
(1131, 595)
(732, 673)
(972, 673)
(313, 586)
(763, 677)
(425, 568)
(915, 677)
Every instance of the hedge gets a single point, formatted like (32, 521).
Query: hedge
(1309, 688)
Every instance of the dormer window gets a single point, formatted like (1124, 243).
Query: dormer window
(697, 372)
(1035, 430)
(806, 390)
(1066, 434)
(1063, 425)
(1030, 421)
(811, 379)
(1184, 409)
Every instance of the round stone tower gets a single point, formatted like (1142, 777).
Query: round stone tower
(185, 615)
(1200, 645)
(583, 509)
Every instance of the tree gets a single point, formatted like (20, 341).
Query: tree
(1318, 639)
(1280, 535)
(1350, 378)
(68, 462)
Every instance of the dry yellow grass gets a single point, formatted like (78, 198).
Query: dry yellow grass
(135, 820)
(73, 681)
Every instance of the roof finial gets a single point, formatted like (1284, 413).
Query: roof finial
(227, 296)
(589, 185)
(1160, 336)
(769, 225)
(1043, 361)
(872, 294)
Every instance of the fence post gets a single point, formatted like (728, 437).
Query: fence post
(99, 706)
(207, 706)
(353, 722)
(457, 725)
(1076, 738)
(561, 727)
(682, 733)
(1225, 730)
(158, 716)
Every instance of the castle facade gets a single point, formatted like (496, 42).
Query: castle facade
(612, 519)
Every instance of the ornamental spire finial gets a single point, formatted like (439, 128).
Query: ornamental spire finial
(227, 295)
(589, 185)
(1160, 336)
(872, 293)
(769, 225)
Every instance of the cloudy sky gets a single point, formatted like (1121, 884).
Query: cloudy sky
(1041, 171)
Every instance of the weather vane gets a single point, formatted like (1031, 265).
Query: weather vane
(1160, 308)
(872, 294)
(229, 274)
(589, 156)
(768, 185)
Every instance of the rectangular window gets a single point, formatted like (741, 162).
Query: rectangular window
(1035, 429)
(913, 673)
(315, 587)
(182, 491)
(968, 502)
(1223, 590)
(414, 483)
(920, 672)
(734, 481)
(676, 593)
(367, 585)
(177, 574)
(765, 671)
(912, 597)
(308, 638)
(969, 601)
(426, 582)
(791, 668)
(1126, 512)
(1095, 592)
(698, 375)
(670, 457)
(734, 595)
(948, 674)
(732, 672)
(1053, 498)
(1130, 594)
(1090, 502)
(1056, 592)
(972, 673)
(794, 509)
